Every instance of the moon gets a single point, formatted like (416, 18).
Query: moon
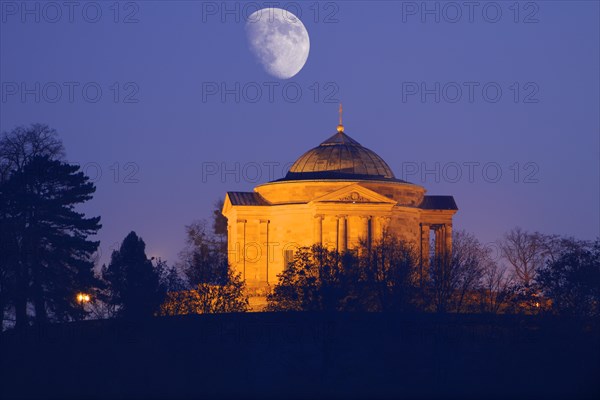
(278, 40)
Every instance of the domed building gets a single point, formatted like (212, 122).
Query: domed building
(337, 194)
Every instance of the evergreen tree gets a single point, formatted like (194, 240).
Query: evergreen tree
(51, 257)
(169, 277)
(17, 148)
(204, 259)
(133, 282)
(572, 280)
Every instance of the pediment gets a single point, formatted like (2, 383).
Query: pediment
(354, 193)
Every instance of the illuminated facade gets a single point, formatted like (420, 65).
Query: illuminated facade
(336, 194)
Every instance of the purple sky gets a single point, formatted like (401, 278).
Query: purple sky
(541, 133)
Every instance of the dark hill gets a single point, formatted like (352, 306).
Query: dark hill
(304, 355)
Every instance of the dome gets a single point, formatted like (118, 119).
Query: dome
(340, 157)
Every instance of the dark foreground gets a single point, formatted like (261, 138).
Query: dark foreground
(306, 356)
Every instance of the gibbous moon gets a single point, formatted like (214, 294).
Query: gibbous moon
(279, 41)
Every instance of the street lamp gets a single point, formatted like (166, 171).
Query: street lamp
(83, 298)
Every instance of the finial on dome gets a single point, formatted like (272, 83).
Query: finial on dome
(340, 127)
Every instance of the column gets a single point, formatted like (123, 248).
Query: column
(425, 233)
(318, 229)
(441, 243)
(241, 244)
(448, 239)
(342, 233)
(264, 236)
(365, 230)
(438, 238)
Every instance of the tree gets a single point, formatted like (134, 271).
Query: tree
(17, 148)
(380, 277)
(572, 280)
(21, 145)
(206, 298)
(497, 287)
(204, 259)
(9, 263)
(220, 223)
(52, 257)
(169, 277)
(455, 278)
(525, 252)
(317, 279)
(389, 275)
(133, 282)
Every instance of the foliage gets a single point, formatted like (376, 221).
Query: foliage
(497, 288)
(317, 279)
(206, 298)
(527, 252)
(49, 258)
(389, 275)
(17, 148)
(21, 145)
(454, 278)
(133, 283)
(379, 278)
(204, 259)
(168, 277)
(572, 280)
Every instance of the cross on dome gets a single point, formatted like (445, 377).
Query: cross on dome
(340, 127)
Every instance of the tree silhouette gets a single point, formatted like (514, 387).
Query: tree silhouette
(133, 282)
(204, 258)
(220, 222)
(315, 280)
(455, 279)
(389, 275)
(525, 252)
(17, 148)
(206, 298)
(52, 257)
(572, 280)
(497, 287)
(380, 277)
(169, 277)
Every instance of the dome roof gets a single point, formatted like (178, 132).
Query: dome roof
(340, 157)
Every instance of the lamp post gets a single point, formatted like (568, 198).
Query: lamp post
(83, 298)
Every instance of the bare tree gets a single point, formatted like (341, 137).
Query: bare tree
(204, 258)
(497, 287)
(454, 279)
(526, 253)
(22, 144)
